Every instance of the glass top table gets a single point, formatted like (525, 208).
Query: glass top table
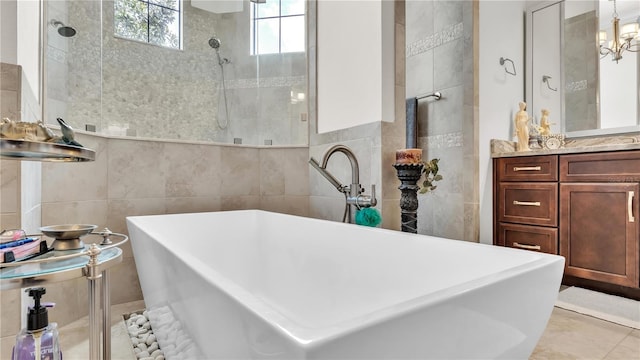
(52, 265)
(55, 266)
(92, 262)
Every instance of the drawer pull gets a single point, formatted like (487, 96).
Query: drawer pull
(526, 203)
(527, 168)
(630, 206)
(528, 247)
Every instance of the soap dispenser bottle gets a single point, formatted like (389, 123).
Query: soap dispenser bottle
(39, 341)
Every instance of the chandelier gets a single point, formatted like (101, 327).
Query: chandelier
(622, 38)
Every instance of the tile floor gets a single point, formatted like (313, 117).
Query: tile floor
(569, 335)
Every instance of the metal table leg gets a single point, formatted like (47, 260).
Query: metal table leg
(91, 272)
(106, 316)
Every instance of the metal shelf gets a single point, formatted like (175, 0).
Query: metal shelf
(42, 151)
(93, 262)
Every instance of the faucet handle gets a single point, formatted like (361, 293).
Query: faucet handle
(374, 201)
(363, 200)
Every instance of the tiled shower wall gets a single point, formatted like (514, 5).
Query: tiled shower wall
(441, 55)
(130, 88)
(136, 177)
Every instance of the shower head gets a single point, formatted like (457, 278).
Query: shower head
(63, 30)
(214, 43)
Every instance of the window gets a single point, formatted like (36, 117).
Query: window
(155, 22)
(277, 26)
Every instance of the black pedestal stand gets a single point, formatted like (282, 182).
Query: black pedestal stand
(409, 174)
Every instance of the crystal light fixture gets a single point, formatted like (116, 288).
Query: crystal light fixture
(622, 38)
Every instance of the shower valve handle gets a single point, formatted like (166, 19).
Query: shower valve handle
(364, 200)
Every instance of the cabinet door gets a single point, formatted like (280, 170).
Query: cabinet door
(599, 231)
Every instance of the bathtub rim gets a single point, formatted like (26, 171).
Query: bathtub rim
(309, 338)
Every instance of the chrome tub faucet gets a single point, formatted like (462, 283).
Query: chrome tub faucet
(354, 193)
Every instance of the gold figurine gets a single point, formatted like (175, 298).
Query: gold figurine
(522, 127)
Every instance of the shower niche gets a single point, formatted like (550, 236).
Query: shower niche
(100, 81)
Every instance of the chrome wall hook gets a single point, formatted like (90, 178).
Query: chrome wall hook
(503, 60)
(545, 79)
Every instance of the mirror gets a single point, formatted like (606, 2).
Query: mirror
(195, 70)
(586, 92)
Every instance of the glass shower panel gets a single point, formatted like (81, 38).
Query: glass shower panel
(211, 89)
(73, 69)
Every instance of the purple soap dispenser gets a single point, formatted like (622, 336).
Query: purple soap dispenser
(39, 341)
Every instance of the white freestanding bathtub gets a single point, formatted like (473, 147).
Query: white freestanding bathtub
(260, 285)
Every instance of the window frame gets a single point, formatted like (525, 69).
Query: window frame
(253, 19)
(149, 3)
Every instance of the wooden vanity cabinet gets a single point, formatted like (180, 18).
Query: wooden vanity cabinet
(526, 199)
(582, 206)
(599, 216)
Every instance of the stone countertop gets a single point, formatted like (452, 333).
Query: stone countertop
(505, 148)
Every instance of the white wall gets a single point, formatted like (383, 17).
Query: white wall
(352, 86)
(501, 35)
(28, 38)
(619, 98)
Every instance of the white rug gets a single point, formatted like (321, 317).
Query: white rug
(612, 308)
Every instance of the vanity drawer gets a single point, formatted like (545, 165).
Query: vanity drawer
(528, 168)
(623, 166)
(528, 203)
(536, 238)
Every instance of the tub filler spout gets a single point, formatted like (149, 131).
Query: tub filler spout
(354, 193)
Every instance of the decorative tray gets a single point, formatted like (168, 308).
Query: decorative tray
(42, 151)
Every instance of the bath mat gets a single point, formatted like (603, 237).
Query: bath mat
(611, 308)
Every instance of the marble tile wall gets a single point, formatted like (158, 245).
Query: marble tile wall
(10, 91)
(137, 177)
(441, 57)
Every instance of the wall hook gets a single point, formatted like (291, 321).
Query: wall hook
(503, 60)
(545, 79)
